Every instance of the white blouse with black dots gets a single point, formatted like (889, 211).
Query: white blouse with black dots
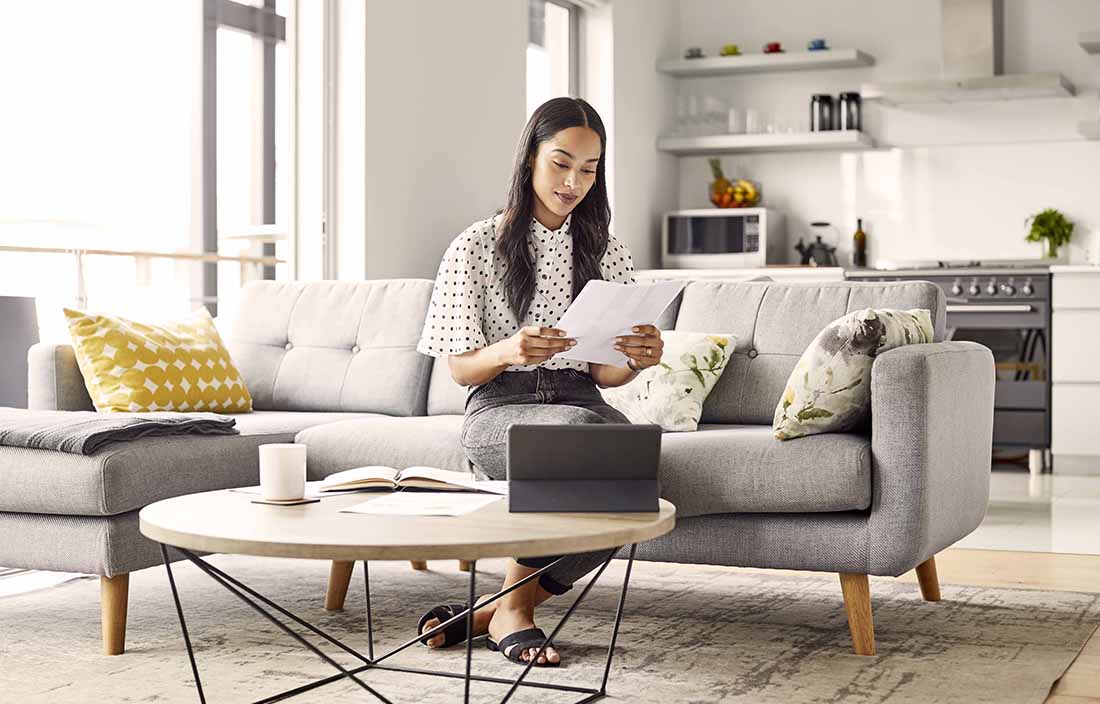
(469, 309)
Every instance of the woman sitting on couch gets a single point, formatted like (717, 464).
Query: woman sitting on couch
(502, 286)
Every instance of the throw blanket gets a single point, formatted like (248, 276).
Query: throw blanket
(84, 432)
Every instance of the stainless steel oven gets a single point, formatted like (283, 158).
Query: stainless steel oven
(1008, 311)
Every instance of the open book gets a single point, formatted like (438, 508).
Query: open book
(380, 477)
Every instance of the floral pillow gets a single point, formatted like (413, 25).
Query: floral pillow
(671, 393)
(829, 390)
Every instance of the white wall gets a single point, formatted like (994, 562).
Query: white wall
(444, 108)
(959, 180)
(645, 181)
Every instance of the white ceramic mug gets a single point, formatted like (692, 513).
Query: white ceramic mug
(282, 471)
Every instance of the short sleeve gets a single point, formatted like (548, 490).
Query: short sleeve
(454, 321)
(616, 265)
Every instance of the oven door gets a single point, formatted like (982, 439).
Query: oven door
(1017, 332)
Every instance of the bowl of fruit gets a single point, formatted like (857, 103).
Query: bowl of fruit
(726, 193)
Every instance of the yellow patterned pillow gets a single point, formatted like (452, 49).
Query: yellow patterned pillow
(175, 366)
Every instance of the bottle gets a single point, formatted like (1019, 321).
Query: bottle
(859, 246)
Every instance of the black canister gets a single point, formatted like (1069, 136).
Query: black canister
(821, 113)
(849, 112)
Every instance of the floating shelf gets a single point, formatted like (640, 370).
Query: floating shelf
(1089, 129)
(762, 63)
(1090, 41)
(847, 140)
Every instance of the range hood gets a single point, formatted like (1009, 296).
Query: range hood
(972, 36)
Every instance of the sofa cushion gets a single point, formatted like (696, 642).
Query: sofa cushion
(720, 469)
(332, 345)
(125, 476)
(433, 441)
(445, 396)
(743, 469)
(176, 365)
(773, 324)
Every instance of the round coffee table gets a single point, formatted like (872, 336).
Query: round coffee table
(228, 522)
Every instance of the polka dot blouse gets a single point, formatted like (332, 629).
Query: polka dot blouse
(469, 309)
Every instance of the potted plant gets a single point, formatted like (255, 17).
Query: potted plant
(1051, 226)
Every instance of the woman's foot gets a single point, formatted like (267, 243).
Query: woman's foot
(481, 622)
(507, 620)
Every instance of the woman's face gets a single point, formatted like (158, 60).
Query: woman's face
(563, 171)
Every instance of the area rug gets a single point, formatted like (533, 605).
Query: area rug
(691, 634)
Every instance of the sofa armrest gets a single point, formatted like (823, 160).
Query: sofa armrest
(931, 446)
(54, 382)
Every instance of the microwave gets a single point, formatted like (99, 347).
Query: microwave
(720, 238)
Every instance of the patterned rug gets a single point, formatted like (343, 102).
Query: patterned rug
(691, 634)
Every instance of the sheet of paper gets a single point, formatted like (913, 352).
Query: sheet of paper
(424, 503)
(605, 310)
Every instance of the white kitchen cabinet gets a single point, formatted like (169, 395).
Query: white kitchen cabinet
(1076, 288)
(1075, 372)
(1076, 339)
(1074, 420)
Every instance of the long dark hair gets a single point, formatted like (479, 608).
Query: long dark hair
(590, 219)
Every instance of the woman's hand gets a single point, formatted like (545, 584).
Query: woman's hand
(644, 346)
(533, 345)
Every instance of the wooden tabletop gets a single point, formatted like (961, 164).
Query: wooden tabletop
(227, 522)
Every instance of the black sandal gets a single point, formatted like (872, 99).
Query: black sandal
(522, 640)
(453, 634)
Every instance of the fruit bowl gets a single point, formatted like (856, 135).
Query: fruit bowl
(726, 193)
(739, 193)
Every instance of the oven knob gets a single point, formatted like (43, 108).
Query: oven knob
(991, 288)
(1027, 289)
(956, 289)
(1008, 289)
(974, 290)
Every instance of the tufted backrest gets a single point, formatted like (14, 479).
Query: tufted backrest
(773, 323)
(333, 345)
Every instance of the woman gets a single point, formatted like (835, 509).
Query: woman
(502, 286)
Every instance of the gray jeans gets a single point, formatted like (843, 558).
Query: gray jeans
(541, 396)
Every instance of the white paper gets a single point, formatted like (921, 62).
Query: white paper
(606, 310)
(424, 503)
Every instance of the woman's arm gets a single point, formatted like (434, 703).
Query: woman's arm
(531, 345)
(643, 349)
(609, 375)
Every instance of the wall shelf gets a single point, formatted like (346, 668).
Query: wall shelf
(1090, 41)
(1089, 129)
(764, 63)
(847, 140)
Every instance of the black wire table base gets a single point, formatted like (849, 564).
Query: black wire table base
(370, 662)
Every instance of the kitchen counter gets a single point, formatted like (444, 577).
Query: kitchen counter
(778, 273)
(1074, 269)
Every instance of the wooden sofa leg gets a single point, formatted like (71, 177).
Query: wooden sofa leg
(464, 565)
(857, 602)
(419, 564)
(113, 597)
(929, 580)
(339, 575)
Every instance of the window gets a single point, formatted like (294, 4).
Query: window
(101, 142)
(552, 51)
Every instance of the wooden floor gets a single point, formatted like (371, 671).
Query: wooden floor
(1035, 570)
(1032, 570)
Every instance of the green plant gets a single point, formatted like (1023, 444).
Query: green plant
(1052, 226)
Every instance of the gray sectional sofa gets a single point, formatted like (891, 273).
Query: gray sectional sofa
(334, 365)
